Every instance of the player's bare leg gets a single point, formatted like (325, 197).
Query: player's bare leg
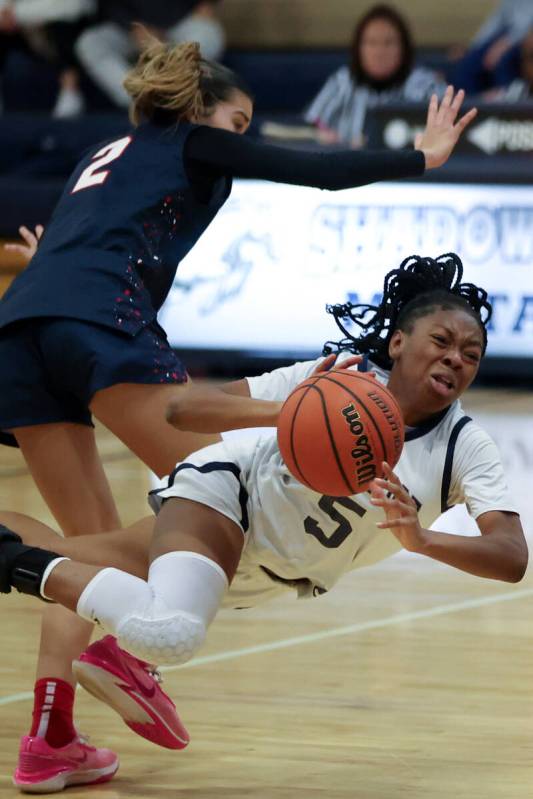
(104, 669)
(183, 528)
(185, 525)
(143, 429)
(64, 463)
(195, 553)
(126, 549)
(77, 492)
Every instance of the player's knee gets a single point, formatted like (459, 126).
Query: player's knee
(170, 639)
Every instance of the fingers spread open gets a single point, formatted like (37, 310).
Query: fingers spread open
(28, 236)
(351, 361)
(465, 120)
(389, 474)
(433, 108)
(445, 104)
(327, 363)
(390, 523)
(457, 102)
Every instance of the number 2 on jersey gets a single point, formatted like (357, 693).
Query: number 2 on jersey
(91, 176)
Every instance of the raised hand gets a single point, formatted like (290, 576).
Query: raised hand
(28, 249)
(399, 508)
(442, 131)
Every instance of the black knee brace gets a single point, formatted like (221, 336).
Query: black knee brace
(21, 567)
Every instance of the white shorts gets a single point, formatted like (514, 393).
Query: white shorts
(216, 477)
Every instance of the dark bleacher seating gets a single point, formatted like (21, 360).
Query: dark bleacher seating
(37, 153)
(285, 81)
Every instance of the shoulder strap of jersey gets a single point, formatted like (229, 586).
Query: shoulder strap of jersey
(448, 462)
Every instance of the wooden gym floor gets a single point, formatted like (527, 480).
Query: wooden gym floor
(409, 681)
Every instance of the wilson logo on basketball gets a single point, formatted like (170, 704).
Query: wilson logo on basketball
(365, 468)
(391, 419)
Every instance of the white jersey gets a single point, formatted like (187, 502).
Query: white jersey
(300, 539)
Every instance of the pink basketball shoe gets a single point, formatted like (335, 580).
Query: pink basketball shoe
(131, 687)
(42, 768)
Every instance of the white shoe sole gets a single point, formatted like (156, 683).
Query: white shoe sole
(63, 780)
(109, 688)
(106, 687)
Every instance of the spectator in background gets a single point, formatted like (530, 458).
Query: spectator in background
(522, 87)
(107, 50)
(48, 28)
(380, 71)
(493, 59)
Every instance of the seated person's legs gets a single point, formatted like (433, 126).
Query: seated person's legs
(469, 73)
(104, 52)
(508, 67)
(201, 26)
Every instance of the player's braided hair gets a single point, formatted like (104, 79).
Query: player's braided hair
(169, 83)
(418, 287)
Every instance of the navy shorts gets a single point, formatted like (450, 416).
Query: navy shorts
(50, 369)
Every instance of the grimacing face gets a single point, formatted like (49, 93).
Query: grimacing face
(435, 362)
(380, 49)
(234, 114)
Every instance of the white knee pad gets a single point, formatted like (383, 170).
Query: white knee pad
(165, 619)
(171, 639)
(187, 590)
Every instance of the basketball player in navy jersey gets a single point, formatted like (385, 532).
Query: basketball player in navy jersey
(231, 525)
(78, 328)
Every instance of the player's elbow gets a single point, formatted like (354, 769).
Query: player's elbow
(517, 565)
(514, 575)
(173, 412)
(519, 570)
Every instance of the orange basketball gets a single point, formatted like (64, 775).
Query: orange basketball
(335, 430)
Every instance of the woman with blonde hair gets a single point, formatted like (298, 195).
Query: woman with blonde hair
(79, 333)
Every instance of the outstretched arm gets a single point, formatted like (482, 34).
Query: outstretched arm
(239, 156)
(213, 409)
(500, 553)
(217, 409)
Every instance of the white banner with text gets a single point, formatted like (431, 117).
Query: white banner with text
(259, 278)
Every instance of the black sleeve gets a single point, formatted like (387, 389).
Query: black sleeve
(242, 157)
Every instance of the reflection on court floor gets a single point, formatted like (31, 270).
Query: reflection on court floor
(409, 679)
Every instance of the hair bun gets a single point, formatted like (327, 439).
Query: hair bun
(165, 78)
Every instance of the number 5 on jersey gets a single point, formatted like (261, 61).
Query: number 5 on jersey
(92, 176)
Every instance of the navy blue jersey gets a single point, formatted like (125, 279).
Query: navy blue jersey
(127, 217)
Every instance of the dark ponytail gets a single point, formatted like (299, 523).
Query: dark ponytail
(418, 287)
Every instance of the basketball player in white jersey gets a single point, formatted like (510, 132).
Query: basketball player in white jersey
(235, 528)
